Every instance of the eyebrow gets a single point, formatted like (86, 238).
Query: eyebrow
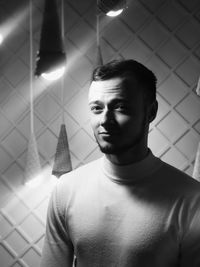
(114, 101)
(95, 102)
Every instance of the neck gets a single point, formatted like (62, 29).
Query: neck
(132, 155)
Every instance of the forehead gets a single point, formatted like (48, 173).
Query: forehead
(114, 88)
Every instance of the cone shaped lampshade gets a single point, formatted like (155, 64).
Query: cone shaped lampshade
(99, 58)
(51, 51)
(62, 160)
(33, 167)
(110, 5)
(196, 170)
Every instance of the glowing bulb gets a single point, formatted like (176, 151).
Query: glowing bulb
(53, 75)
(1, 39)
(113, 13)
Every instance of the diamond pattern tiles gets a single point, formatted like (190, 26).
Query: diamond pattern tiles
(112, 36)
(189, 108)
(172, 52)
(173, 89)
(15, 72)
(154, 34)
(171, 15)
(14, 143)
(164, 35)
(140, 16)
(28, 229)
(188, 71)
(5, 256)
(16, 241)
(189, 33)
(172, 126)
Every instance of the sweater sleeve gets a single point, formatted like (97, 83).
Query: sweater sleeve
(190, 247)
(58, 248)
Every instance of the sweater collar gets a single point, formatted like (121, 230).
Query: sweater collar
(131, 172)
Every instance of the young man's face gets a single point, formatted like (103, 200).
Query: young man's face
(118, 114)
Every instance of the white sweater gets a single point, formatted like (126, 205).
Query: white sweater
(137, 215)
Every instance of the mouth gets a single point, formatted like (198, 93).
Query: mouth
(108, 134)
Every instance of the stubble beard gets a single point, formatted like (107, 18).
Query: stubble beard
(115, 148)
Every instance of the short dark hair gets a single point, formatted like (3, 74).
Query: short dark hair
(127, 68)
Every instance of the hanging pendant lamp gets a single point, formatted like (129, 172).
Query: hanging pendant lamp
(111, 7)
(62, 160)
(51, 54)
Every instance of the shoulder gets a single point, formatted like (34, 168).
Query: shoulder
(81, 174)
(76, 180)
(179, 180)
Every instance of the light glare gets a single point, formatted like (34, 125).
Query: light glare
(53, 75)
(34, 182)
(113, 13)
(1, 39)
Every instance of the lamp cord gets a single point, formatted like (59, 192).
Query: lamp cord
(62, 79)
(97, 30)
(31, 68)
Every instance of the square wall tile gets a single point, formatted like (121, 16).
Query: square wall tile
(15, 210)
(82, 144)
(188, 144)
(173, 126)
(173, 89)
(175, 158)
(154, 34)
(188, 71)
(16, 241)
(137, 50)
(171, 15)
(16, 72)
(172, 52)
(5, 227)
(189, 108)
(5, 256)
(5, 160)
(14, 143)
(189, 33)
(33, 233)
(31, 258)
(135, 16)
(113, 31)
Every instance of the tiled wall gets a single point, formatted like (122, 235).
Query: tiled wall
(165, 35)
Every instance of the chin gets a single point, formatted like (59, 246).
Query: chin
(111, 149)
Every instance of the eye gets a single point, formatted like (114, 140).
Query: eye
(121, 107)
(96, 109)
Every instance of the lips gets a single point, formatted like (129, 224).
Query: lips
(108, 134)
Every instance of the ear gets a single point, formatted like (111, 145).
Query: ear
(153, 111)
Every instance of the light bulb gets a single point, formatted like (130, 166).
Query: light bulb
(53, 75)
(113, 13)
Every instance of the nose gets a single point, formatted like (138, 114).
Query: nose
(107, 117)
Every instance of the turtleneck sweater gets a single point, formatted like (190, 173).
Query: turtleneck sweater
(137, 215)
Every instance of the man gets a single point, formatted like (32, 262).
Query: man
(127, 209)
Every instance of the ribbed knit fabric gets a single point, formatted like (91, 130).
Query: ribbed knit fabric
(137, 215)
